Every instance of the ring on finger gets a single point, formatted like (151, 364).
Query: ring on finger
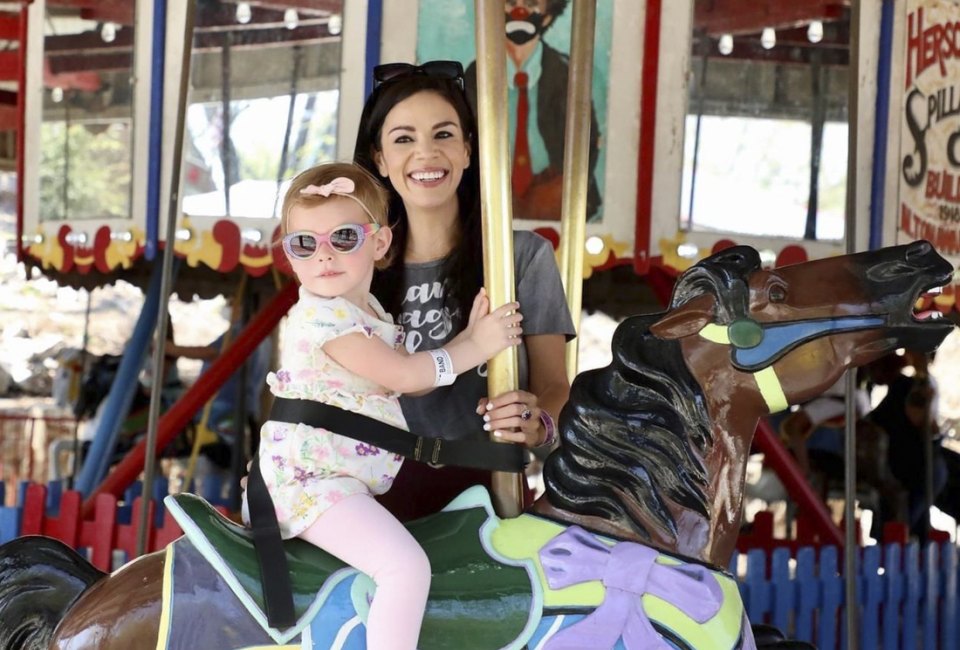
(526, 414)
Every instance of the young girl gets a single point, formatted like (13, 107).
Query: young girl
(342, 349)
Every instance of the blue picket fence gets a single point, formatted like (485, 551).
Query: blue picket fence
(907, 596)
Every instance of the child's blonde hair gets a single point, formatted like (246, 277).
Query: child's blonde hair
(367, 191)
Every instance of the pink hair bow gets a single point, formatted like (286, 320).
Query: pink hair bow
(339, 185)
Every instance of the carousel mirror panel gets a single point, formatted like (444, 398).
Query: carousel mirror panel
(86, 131)
(263, 102)
(765, 141)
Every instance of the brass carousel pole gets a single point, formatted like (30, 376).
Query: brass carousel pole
(495, 200)
(576, 159)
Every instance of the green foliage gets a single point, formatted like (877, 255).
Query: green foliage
(85, 171)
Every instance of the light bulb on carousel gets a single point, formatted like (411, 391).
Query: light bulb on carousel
(725, 44)
(335, 24)
(815, 32)
(244, 13)
(108, 32)
(768, 38)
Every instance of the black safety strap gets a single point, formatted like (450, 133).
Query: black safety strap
(479, 454)
(274, 571)
(268, 544)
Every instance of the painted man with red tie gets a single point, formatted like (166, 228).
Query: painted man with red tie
(537, 105)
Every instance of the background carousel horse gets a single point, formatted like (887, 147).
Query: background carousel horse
(643, 498)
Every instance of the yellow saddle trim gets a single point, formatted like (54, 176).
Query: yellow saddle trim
(523, 537)
(166, 594)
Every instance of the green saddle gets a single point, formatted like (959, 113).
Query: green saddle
(474, 592)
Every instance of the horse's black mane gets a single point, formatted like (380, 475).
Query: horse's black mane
(634, 434)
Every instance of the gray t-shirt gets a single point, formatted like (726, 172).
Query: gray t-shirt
(449, 412)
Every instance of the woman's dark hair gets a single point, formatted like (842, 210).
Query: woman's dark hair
(463, 269)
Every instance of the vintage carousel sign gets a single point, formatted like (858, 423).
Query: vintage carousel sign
(929, 197)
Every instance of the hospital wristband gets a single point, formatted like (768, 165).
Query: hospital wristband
(443, 367)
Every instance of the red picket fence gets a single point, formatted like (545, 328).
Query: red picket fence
(102, 534)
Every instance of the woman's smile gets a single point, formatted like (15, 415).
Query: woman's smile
(428, 177)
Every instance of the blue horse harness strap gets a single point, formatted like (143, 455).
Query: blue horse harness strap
(779, 338)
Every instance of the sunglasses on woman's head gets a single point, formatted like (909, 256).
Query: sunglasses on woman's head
(304, 244)
(451, 70)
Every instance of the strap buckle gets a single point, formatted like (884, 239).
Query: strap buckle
(434, 452)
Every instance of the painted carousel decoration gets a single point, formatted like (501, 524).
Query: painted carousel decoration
(926, 202)
(628, 548)
(263, 103)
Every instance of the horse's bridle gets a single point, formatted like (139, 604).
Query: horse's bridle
(757, 346)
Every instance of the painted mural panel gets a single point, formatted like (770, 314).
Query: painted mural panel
(538, 44)
(929, 196)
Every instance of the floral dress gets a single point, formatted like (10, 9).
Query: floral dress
(307, 469)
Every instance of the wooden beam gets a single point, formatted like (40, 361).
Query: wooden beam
(90, 63)
(261, 38)
(119, 11)
(109, 14)
(717, 17)
(753, 51)
(269, 20)
(323, 7)
(211, 16)
(9, 117)
(86, 43)
(90, 4)
(9, 27)
(9, 65)
(836, 36)
(85, 81)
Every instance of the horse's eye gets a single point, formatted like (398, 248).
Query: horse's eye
(778, 293)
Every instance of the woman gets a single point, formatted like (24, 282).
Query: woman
(418, 134)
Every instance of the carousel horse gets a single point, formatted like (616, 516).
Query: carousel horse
(628, 546)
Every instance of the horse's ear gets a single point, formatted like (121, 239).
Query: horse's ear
(686, 320)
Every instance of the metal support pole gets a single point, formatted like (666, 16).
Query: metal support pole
(180, 414)
(160, 337)
(75, 465)
(818, 101)
(929, 439)
(576, 165)
(850, 439)
(227, 158)
(495, 201)
(701, 100)
(285, 150)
